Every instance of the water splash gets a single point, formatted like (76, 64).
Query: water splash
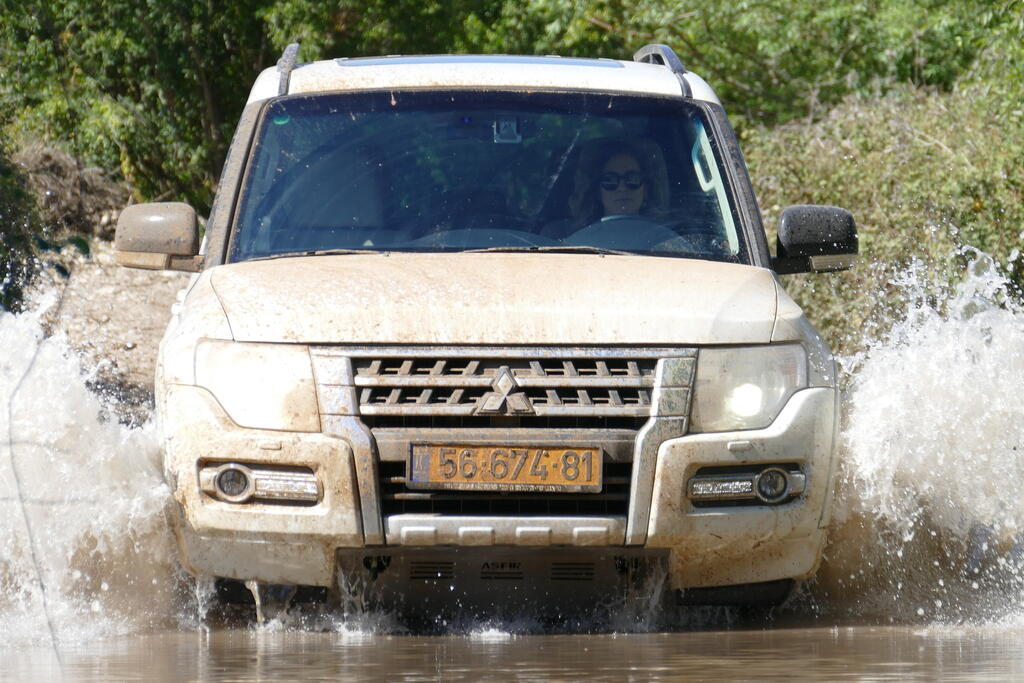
(80, 490)
(929, 515)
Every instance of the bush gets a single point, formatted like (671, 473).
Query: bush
(925, 175)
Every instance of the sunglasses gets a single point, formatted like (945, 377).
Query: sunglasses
(610, 180)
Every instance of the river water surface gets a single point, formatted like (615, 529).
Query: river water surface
(921, 578)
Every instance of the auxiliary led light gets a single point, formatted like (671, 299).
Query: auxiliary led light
(722, 488)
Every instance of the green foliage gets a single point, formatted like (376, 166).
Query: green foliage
(359, 27)
(773, 60)
(155, 89)
(998, 72)
(152, 89)
(925, 175)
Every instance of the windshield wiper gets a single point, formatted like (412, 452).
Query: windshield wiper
(315, 252)
(553, 249)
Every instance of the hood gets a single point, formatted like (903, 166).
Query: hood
(563, 299)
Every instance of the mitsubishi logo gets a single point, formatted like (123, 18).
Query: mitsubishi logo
(507, 397)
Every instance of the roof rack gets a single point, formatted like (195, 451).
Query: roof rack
(656, 53)
(285, 66)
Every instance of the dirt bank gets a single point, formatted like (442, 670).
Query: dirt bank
(114, 317)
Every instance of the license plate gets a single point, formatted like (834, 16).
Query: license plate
(505, 468)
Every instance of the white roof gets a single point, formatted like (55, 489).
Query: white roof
(486, 71)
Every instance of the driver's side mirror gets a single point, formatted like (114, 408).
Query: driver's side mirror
(158, 236)
(815, 239)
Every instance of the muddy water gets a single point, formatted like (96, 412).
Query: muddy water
(833, 654)
(921, 579)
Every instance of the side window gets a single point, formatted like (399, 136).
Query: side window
(710, 180)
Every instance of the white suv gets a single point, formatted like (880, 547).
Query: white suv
(498, 326)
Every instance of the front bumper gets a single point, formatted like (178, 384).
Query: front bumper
(717, 546)
(269, 542)
(292, 544)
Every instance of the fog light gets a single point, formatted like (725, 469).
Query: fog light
(234, 483)
(772, 485)
(237, 483)
(745, 485)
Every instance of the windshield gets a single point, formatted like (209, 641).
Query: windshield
(471, 171)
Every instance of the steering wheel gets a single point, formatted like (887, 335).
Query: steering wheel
(695, 237)
(480, 239)
(622, 231)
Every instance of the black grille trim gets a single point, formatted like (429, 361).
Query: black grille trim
(397, 499)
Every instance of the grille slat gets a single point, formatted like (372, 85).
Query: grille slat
(603, 408)
(456, 420)
(525, 381)
(572, 571)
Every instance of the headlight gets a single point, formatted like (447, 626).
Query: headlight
(263, 386)
(745, 388)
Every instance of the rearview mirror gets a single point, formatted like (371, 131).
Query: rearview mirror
(816, 239)
(158, 236)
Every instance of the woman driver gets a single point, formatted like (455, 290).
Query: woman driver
(615, 178)
(621, 183)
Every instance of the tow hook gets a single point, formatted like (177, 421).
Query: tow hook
(376, 565)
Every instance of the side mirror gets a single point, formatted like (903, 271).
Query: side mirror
(815, 239)
(158, 236)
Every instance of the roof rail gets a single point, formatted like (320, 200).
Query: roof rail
(285, 66)
(656, 53)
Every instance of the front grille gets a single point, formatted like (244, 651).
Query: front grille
(613, 499)
(464, 387)
(572, 571)
(505, 571)
(431, 571)
(624, 400)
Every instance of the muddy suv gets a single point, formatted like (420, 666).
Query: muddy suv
(493, 325)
